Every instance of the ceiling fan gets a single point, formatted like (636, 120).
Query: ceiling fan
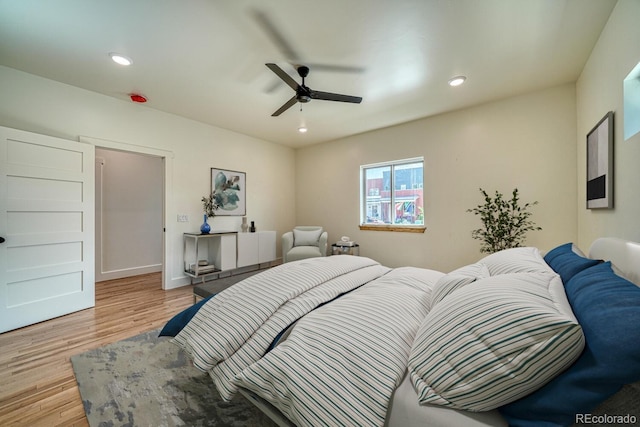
(305, 94)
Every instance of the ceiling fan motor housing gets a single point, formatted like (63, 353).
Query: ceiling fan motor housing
(303, 94)
(303, 71)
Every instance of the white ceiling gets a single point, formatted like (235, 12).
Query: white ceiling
(204, 59)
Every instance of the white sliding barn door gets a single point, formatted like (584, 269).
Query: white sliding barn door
(47, 221)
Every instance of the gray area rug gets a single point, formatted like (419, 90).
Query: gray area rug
(147, 381)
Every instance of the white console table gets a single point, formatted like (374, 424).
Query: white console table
(216, 252)
(226, 250)
(256, 248)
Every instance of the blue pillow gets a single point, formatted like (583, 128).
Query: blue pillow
(180, 320)
(564, 261)
(608, 309)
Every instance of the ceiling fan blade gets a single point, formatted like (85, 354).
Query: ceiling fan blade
(328, 96)
(286, 49)
(275, 35)
(286, 106)
(275, 84)
(284, 76)
(335, 68)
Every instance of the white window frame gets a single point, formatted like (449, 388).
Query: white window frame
(419, 228)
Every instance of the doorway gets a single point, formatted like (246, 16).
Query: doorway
(166, 158)
(129, 214)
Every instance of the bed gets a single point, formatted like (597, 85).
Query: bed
(516, 338)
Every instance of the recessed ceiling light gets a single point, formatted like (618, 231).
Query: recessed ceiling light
(302, 129)
(457, 81)
(120, 59)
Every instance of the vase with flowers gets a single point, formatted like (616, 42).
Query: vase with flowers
(210, 205)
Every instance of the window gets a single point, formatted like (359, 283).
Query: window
(631, 95)
(391, 195)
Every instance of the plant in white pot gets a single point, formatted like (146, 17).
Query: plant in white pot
(505, 222)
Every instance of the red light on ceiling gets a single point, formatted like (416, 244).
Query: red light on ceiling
(138, 98)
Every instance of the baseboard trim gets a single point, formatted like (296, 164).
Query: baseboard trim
(127, 272)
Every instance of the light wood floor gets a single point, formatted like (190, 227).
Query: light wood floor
(37, 385)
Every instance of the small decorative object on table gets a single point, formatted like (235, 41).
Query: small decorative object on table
(345, 241)
(244, 225)
(345, 247)
(210, 205)
(205, 228)
(253, 227)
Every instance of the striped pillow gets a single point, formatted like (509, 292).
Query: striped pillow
(494, 341)
(457, 279)
(515, 260)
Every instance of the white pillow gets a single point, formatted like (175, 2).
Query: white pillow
(306, 237)
(494, 341)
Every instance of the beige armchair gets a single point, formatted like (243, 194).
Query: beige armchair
(304, 242)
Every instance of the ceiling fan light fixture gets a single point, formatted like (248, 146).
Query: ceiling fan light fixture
(457, 81)
(120, 59)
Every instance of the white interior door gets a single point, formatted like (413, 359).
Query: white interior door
(47, 222)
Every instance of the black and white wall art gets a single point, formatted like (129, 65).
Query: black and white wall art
(600, 164)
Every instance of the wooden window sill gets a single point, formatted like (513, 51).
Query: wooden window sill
(397, 228)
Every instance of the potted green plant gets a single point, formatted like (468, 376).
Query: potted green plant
(505, 222)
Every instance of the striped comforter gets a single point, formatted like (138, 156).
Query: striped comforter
(236, 328)
(341, 361)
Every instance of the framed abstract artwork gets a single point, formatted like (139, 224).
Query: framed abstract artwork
(229, 188)
(600, 164)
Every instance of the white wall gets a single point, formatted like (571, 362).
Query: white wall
(535, 142)
(43, 106)
(599, 90)
(129, 216)
(526, 142)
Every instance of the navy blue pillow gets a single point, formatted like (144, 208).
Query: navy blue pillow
(564, 261)
(180, 320)
(608, 309)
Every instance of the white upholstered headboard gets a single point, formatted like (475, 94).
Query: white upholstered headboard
(623, 254)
